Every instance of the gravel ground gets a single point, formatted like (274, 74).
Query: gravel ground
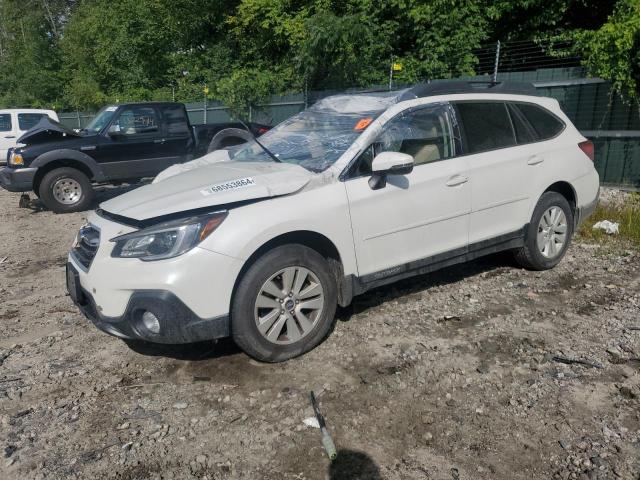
(481, 371)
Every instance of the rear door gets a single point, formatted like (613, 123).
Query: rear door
(8, 134)
(417, 215)
(132, 147)
(499, 173)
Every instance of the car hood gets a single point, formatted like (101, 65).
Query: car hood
(46, 130)
(213, 185)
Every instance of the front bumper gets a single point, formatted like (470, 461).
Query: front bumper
(178, 323)
(17, 179)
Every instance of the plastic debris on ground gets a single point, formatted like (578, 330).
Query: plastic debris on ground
(311, 422)
(610, 228)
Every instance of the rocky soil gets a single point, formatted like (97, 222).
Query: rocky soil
(481, 371)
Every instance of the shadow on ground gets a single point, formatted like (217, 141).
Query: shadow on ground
(446, 276)
(102, 194)
(353, 465)
(192, 351)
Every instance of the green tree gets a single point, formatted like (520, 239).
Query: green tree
(613, 50)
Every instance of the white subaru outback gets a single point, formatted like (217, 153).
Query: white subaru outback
(263, 241)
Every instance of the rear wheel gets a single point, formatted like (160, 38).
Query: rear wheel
(549, 233)
(66, 190)
(284, 305)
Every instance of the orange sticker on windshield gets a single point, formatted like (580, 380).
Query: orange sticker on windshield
(363, 123)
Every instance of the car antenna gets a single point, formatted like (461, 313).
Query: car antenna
(266, 150)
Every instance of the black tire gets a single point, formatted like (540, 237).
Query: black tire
(228, 138)
(530, 256)
(243, 324)
(82, 183)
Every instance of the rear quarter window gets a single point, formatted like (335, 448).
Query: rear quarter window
(487, 126)
(545, 124)
(5, 122)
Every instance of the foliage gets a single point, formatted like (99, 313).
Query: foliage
(84, 53)
(626, 214)
(613, 51)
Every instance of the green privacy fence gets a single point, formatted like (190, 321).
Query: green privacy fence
(613, 123)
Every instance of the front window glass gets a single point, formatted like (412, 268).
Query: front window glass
(317, 137)
(423, 133)
(136, 120)
(101, 119)
(5, 122)
(29, 120)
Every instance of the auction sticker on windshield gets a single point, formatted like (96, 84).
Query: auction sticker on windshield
(230, 185)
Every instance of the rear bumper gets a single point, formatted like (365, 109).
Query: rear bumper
(585, 211)
(178, 323)
(17, 179)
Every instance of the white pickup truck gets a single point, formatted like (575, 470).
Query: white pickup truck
(15, 122)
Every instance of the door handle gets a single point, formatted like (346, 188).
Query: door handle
(535, 160)
(457, 180)
(159, 140)
(10, 136)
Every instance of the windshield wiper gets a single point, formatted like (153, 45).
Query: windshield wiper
(266, 150)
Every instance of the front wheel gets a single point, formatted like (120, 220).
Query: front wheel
(548, 234)
(66, 190)
(284, 305)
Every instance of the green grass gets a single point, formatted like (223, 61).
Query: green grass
(626, 214)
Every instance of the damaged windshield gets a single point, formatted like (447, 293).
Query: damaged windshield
(318, 136)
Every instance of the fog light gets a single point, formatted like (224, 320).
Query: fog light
(151, 322)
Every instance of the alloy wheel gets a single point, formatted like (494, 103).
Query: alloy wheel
(288, 305)
(552, 232)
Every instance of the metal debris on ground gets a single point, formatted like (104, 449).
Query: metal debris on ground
(327, 441)
(570, 361)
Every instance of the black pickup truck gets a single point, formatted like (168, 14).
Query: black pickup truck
(122, 144)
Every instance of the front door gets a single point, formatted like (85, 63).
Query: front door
(133, 146)
(416, 216)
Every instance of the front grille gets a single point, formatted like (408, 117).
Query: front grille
(86, 245)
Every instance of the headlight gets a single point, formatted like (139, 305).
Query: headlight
(167, 240)
(16, 159)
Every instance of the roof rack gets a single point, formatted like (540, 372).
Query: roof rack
(453, 87)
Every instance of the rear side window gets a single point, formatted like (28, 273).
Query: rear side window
(524, 132)
(29, 120)
(175, 120)
(486, 125)
(5, 122)
(545, 124)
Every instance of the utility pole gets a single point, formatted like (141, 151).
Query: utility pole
(495, 66)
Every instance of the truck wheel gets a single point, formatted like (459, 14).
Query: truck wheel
(548, 234)
(66, 190)
(284, 305)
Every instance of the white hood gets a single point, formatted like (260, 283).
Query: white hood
(208, 185)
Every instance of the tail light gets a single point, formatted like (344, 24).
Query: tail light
(588, 149)
(262, 130)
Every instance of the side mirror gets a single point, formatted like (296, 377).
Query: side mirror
(114, 131)
(389, 163)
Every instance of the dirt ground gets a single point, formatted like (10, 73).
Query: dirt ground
(456, 375)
